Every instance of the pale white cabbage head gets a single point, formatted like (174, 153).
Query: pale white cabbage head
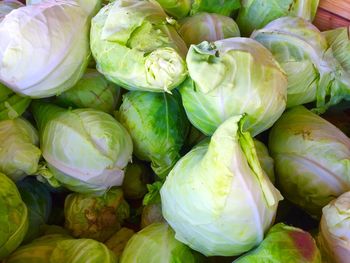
(217, 198)
(44, 48)
(334, 237)
(86, 150)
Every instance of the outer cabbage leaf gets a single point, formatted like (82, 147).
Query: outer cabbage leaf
(266, 161)
(339, 42)
(312, 159)
(339, 47)
(230, 77)
(214, 188)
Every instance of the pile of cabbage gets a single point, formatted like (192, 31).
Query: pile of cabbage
(173, 131)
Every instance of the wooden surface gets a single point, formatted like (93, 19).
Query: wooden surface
(332, 14)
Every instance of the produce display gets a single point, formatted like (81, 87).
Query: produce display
(173, 131)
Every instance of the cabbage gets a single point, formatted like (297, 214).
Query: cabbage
(284, 244)
(58, 248)
(96, 217)
(14, 217)
(230, 77)
(312, 159)
(137, 175)
(19, 152)
(302, 51)
(37, 198)
(205, 26)
(86, 150)
(176, 8)
(334, 236)
(158, 127)
(136, 46)
(6, 6)
(224, 7)
(93, 90)
(255, 14)
(39, 64)
(118, 241)
(338, 40)
(156, 243)
(217, 198)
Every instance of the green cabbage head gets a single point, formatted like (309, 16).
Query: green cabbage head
(137, 46)
(86, 150)
(214, 188)
(284, 244)
(41, 53)
(118, 241)
(58, 248)
(14, 217)
(96, 217)
(205, 26)
(93, 90)
(176, 8)
(37, 198)
(158, 127)
(255, 14)
(19, 152)
(334, 237)
(312, 159)
(231, 77)
(302, 51)
(157, 243)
